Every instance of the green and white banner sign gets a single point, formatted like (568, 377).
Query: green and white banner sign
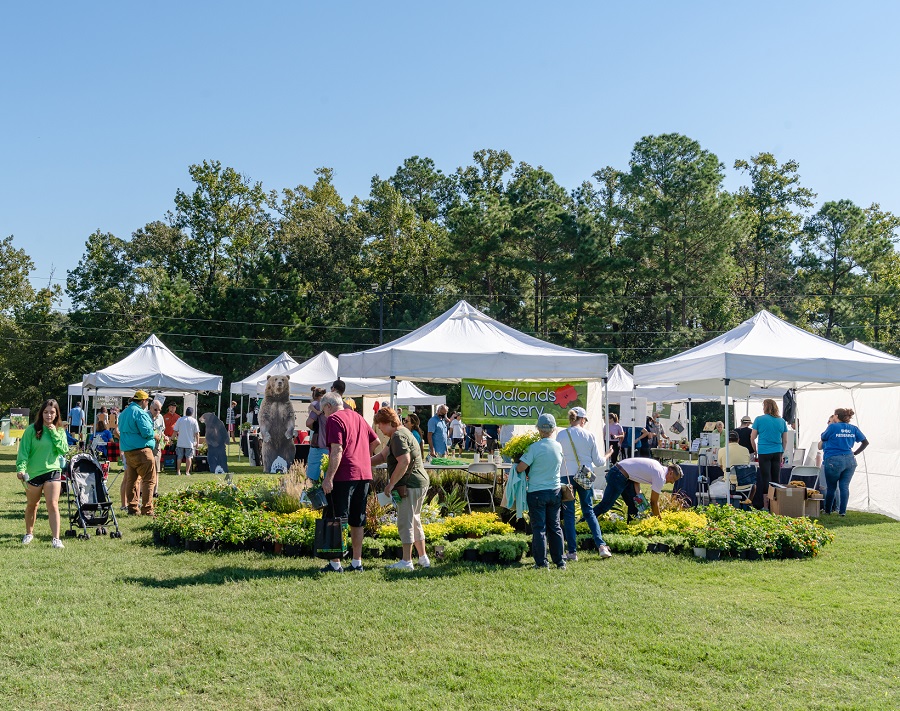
(513, 402)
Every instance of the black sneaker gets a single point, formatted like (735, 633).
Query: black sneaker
(356, 568)
(329, 569)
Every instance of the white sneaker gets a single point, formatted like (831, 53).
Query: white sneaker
(571, 556)
(401, 565)
(56, 543)
(27, 538)
(604, 552)
(425, 561)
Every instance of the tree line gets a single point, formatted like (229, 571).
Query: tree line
(640, 261)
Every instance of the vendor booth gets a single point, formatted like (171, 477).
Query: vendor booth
(767, 352)
(464, 343)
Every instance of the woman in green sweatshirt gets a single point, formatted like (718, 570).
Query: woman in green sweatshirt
(38, 464)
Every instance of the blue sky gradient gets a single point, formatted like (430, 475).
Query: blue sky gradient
(106, 104)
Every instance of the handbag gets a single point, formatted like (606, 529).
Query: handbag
(331, 539)
(585, 477)
(566, 493)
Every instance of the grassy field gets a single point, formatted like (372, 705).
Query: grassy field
(119, 624)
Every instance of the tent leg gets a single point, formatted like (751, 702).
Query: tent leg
(605, 411)
(727, 464)
(394, 391)
(689, 415)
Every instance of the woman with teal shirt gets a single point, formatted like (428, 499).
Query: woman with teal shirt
(769, 438)
(43, 443)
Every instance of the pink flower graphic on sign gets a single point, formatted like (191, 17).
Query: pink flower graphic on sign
(565, 395)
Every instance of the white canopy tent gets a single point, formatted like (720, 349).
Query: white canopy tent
(322, 370)
(279, 366)
(767, 352)
(153, 366)
(463, 342)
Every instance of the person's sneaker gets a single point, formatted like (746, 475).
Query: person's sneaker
(546, 566)
(27, 538)
(401, 565)
(561, 566)
(604, 552)
(329, 569)
(571, 556)
(356, 568)
(425, 561)
(56, 543)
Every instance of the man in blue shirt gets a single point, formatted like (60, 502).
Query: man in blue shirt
(76, 420)
(137, 437)
(437, 433)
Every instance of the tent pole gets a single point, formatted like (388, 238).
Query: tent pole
(394, 391)
(605, 410)
(690, 439)
(727, 463)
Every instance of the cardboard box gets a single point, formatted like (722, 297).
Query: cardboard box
(813, 508)
(787, 500)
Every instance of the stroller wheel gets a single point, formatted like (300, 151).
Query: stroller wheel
(84, 537)
(115, 534)
(70, 533)
(101, 531)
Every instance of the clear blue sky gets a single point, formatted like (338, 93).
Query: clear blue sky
(106, 104)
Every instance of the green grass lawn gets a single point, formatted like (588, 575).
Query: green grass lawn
(120, 624)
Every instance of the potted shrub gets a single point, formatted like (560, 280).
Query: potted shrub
(515, 448)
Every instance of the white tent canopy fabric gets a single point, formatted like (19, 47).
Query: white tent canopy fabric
(464, 342)
(321, 371)
(152, 366)
(860, 347)
(766, 352)
(279, 366)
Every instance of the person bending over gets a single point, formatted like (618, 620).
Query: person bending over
(637, 470)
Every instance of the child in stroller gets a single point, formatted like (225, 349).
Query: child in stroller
(88, 498)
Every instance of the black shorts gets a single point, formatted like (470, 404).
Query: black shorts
(75, 429)
(41, 479)
(348, 500)
(457, 441)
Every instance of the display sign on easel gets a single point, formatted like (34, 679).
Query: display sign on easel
(633, 412)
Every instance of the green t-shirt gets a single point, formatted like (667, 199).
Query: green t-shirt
(402, 442)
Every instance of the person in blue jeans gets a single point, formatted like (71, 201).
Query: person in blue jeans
(542, 459)
(839, 459)
(580, 450)
(637, 470)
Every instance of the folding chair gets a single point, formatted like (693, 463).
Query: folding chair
(742, 480)
(95, 448)
(483, 477)
(805, 473)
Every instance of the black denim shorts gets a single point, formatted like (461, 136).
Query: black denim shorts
(41, 479)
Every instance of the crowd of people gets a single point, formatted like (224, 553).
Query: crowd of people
(551, 466)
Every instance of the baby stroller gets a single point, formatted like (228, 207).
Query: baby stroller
(87, 494)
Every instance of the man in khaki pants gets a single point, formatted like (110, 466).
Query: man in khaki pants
(136, 438)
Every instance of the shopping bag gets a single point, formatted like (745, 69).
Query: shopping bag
(331, 538)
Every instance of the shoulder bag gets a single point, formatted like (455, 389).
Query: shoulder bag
(585, 477)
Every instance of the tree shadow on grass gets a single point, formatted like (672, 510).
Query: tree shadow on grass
(853, 518)
(221, 576)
